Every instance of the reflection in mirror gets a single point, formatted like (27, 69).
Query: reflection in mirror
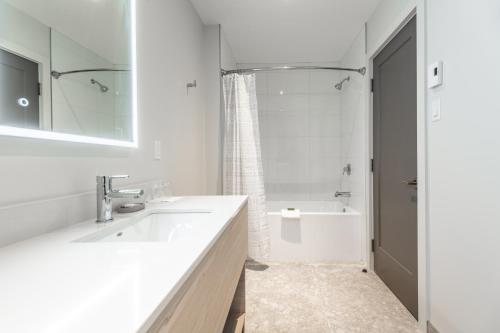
(66, 67)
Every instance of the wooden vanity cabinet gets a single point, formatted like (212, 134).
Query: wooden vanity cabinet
(214, 292)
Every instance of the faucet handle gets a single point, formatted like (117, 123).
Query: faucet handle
(119, 177)
(115, 177)
(106, 181)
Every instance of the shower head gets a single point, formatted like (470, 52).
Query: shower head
(102, 87)
(338, 86)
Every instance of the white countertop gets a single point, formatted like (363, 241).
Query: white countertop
(53, 284)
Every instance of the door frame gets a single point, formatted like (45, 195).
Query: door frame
(418, 9)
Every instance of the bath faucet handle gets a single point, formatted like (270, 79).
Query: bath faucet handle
(342, 194)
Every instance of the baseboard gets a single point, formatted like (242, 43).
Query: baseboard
(431, 328)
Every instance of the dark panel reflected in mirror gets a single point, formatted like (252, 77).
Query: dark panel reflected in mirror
(68, 73)
(19, 91)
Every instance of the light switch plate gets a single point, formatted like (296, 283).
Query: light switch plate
(435, 75)
(436, 110)
(157, 150)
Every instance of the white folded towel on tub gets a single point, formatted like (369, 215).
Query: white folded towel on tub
(290, 213)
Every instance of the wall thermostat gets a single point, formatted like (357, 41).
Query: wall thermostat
(435, 75)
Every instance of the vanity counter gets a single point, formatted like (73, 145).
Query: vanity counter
(54, 283)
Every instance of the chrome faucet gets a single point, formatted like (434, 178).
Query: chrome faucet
(342, 194)
(105, 194)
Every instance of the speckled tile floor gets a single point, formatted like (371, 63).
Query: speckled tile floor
(321, 298)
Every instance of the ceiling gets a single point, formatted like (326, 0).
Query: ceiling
(287, 31)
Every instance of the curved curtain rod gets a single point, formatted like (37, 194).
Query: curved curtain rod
(361, 70)
(56, 74)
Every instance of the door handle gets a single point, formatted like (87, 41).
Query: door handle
(411, 182)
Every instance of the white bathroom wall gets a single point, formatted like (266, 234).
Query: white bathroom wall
(354, 140)
(228, 61)
(46, 185)
(22, 30)
(385, 19)
(354, 124)
(299, 118)
(218, 55)
(212, 119)
(464, 159)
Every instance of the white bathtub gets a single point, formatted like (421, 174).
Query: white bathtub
(326, 232)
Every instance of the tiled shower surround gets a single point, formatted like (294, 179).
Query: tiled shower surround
(299, 117)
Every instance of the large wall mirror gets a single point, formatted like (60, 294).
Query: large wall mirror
(67, 70)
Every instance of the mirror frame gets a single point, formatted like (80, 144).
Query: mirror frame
(57, 136)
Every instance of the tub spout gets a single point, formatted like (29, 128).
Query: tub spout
(342, 194)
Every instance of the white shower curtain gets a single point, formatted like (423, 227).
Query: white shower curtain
(242, 167)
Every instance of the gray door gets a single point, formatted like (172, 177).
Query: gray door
(18, 91)
(395, 166)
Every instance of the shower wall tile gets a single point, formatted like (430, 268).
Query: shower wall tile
(263, 128)
(355, 129)
(323, 82)
(288, 170)
(324, 125)
(291, 82)
(288, 102)
(265, 166)
(262, 103)
(272, 194)
(324, 169)
(324, 147)
(322, 191)
(261, 83)
(288, 191)
(285, 125)
(283, 148)
(300, 125)
(324, 103)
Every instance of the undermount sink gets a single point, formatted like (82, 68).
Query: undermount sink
(155, 227)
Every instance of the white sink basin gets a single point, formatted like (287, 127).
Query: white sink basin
(155, 227)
